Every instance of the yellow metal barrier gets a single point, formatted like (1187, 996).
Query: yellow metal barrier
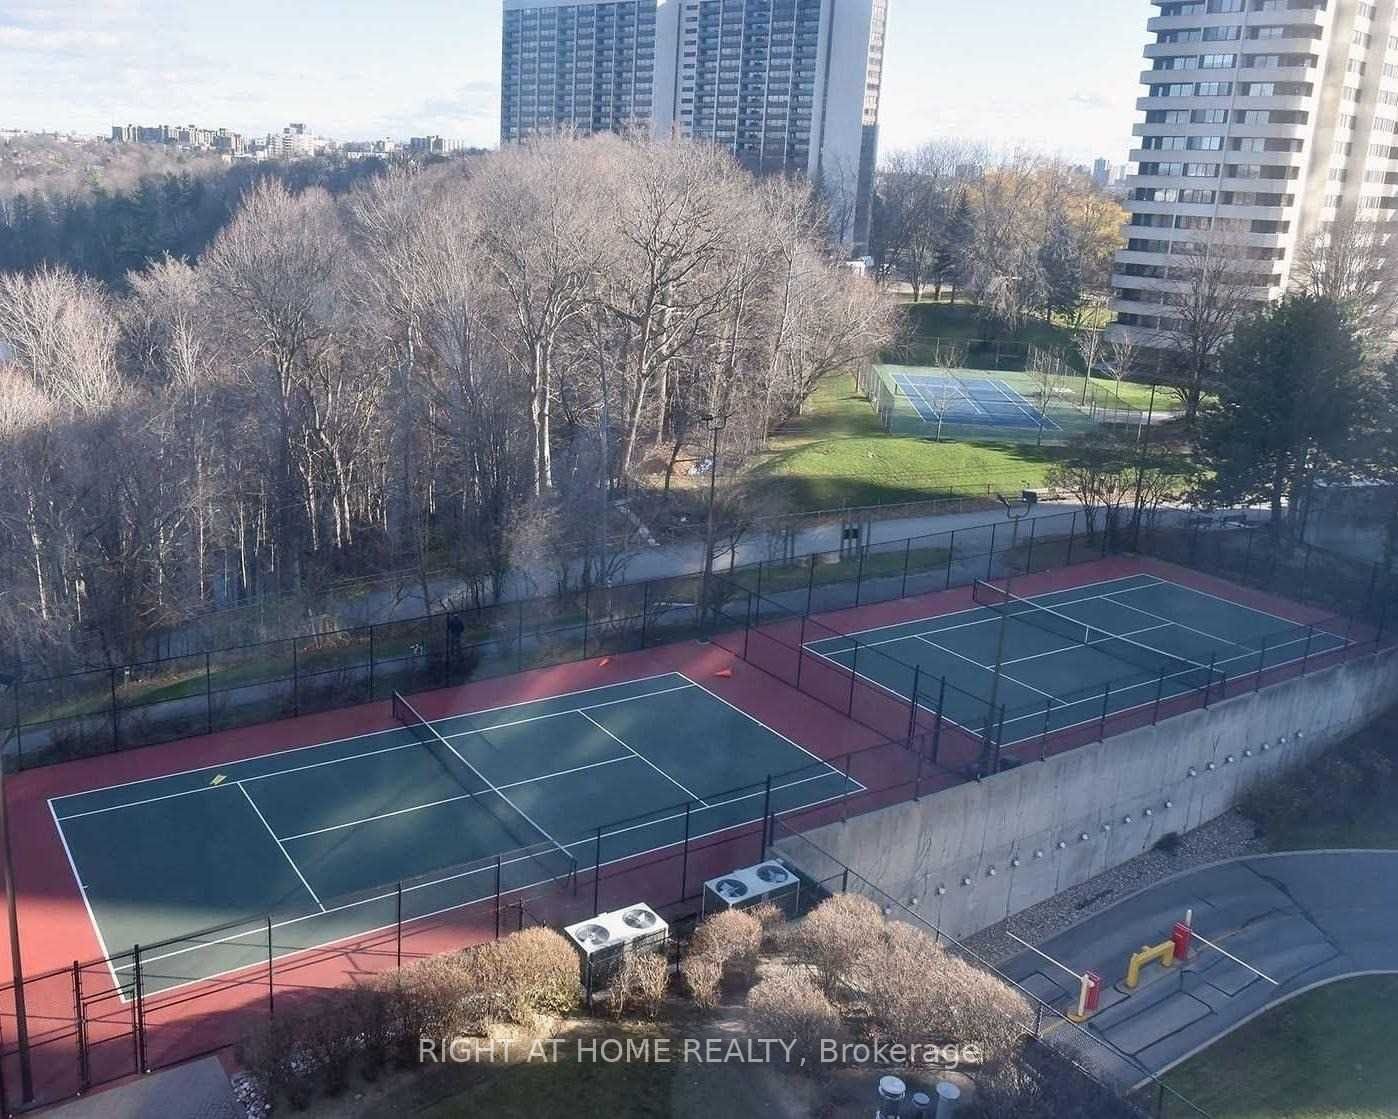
(1164, 952)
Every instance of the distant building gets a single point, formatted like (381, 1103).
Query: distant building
(187, 136)
(1263, 124)
(435, 145)
(788, 86)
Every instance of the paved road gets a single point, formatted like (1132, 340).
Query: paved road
(1303, 919)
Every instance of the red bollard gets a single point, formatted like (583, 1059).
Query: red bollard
(1183, 937)
(1088, 998)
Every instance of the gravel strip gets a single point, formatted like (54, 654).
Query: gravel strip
(1227, 837)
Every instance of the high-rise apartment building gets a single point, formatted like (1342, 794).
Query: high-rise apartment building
(1265, 121)
(789, 86)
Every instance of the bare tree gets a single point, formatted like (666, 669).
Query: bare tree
(1352, 264)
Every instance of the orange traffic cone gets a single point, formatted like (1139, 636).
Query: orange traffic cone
(724, 674)
(604, 662)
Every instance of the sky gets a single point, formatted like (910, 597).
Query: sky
(1060, 77)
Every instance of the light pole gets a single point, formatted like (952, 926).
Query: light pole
(990, 747)
(715, 423)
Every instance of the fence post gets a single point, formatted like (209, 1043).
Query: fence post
(208, 693)
(587, 616)
(844, 792)
(800, 652)
(645, 610)
(295, 679)
(859, 573)
(951, 556)
(271, 976)
(372, 656)
(597, 873)
(937, 726)
(1072, 536)
(519, 635)
(1247, 555)
(1043, 741)
(912, 706)
(810, 586)
(1029, 550)
(990, 558)
(917, 774)
(136, 1023)
(80, 1027)
(1159, 695)
(1305, 573)
(907, 558)
(497, 897)
(398, 928)
(747, 625)
(1261, 664)
(1209, 683)
(116, 732)
(999, 741)
(1306, 652)
(853, 675)
(684, 853)
(766, 815)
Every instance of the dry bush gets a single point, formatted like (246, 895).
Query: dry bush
(439, 994)
(526, 974)
(833, 935)
(703, 975)
(772, 920)
(270, 1054)
(369, 1013)
(640, 986)
(732, 939)
(789, 1006)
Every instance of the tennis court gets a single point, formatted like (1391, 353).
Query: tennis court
(991, 401)
(1071, 655)
(321, 836)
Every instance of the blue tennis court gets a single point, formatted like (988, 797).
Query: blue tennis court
(989, 401)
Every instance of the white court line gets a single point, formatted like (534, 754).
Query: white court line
(87, 904)
(991, 668)
(453, 800)
(1308, 626)
(642, 758)
(1037, 414)
(260, 930)
(994, 616)
(278, 842)
(366, 753)
(1091, 645)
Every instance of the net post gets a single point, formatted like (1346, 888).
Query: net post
(684, 853)
(951, 556)
(1306, 653)
(907, 559)
(1106, 705)
(1043, 738)
(990, 557)
(597, 872)
(1159, 695)
(398, 927)
(1261, 664)
(1209, 680)
(810, 585)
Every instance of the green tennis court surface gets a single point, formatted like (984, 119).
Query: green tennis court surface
(320, 836)
(1140, 636)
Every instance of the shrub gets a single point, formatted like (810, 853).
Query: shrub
(640, 985)
(732, 939)
(702, 974)
(440, 996)
(833, 935)
(789, 1006)
(772, 920)
(368, 1012)
(526, 974)
(920, 992)
(270, 1054)
(329, 1044)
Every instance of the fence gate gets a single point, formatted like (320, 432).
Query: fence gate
(108, 1025)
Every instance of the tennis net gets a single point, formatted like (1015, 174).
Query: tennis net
(1191, 674)
(555, 858)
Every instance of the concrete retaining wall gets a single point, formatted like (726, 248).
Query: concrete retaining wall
(977, 853)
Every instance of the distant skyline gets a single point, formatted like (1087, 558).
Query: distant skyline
(1059, 78)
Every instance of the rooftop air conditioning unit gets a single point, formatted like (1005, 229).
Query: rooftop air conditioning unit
(753, 885)
(604, 941)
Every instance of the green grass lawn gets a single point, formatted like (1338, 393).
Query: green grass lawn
(1327, 1054)
(835, 456)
